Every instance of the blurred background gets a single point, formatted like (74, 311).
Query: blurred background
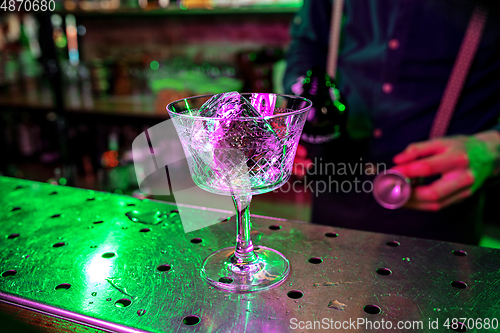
(80, 80)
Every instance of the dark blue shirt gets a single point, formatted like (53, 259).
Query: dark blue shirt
(394, 62)
(395, 58)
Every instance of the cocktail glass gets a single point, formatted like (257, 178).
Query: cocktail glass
(241, 157)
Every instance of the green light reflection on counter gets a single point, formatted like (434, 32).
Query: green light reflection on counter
(99, 268)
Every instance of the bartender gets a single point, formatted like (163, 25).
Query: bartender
(394, 61)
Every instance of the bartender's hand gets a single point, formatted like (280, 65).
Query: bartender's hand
(301, 162)
(464, 163)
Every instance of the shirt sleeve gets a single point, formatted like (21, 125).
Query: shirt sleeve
(309, 40)
(497, 127)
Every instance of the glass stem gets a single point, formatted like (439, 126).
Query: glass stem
(244, 252)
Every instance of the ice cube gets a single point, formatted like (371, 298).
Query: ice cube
(234, 149)
(233, 105)
(265, 104)
(228, 105)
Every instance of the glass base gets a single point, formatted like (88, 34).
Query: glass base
(269, 270)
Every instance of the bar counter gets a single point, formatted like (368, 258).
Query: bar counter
(93, 261)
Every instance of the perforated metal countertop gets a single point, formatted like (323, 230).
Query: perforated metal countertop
(76, 255)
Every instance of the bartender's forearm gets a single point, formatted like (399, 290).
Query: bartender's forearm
(492, 140)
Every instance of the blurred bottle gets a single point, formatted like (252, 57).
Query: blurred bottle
(153, 4)
(70, 4)
(71, 82)
(100, 78)
(59, 36)
(85, 82)
(195, 4)
(10, 47)
(122, 82)
(29, 53)
(326, 122)
(29, 139)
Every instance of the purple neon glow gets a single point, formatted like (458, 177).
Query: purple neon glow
(66, 315)
(234, 147)
(264, 103)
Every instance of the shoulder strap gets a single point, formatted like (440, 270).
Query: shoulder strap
(333, 47)
(459, 73)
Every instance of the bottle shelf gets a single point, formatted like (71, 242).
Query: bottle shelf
(254, 10)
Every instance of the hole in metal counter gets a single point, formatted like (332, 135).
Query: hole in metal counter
(384, 271)
(10, 272)
(108, 255)
(191, 320)
(459, 253)
(459, 284)
(372, 309)
(64, 286)
(315, 260)
(124, 302)
(295, 294)
(196, 240)
(164, 268)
